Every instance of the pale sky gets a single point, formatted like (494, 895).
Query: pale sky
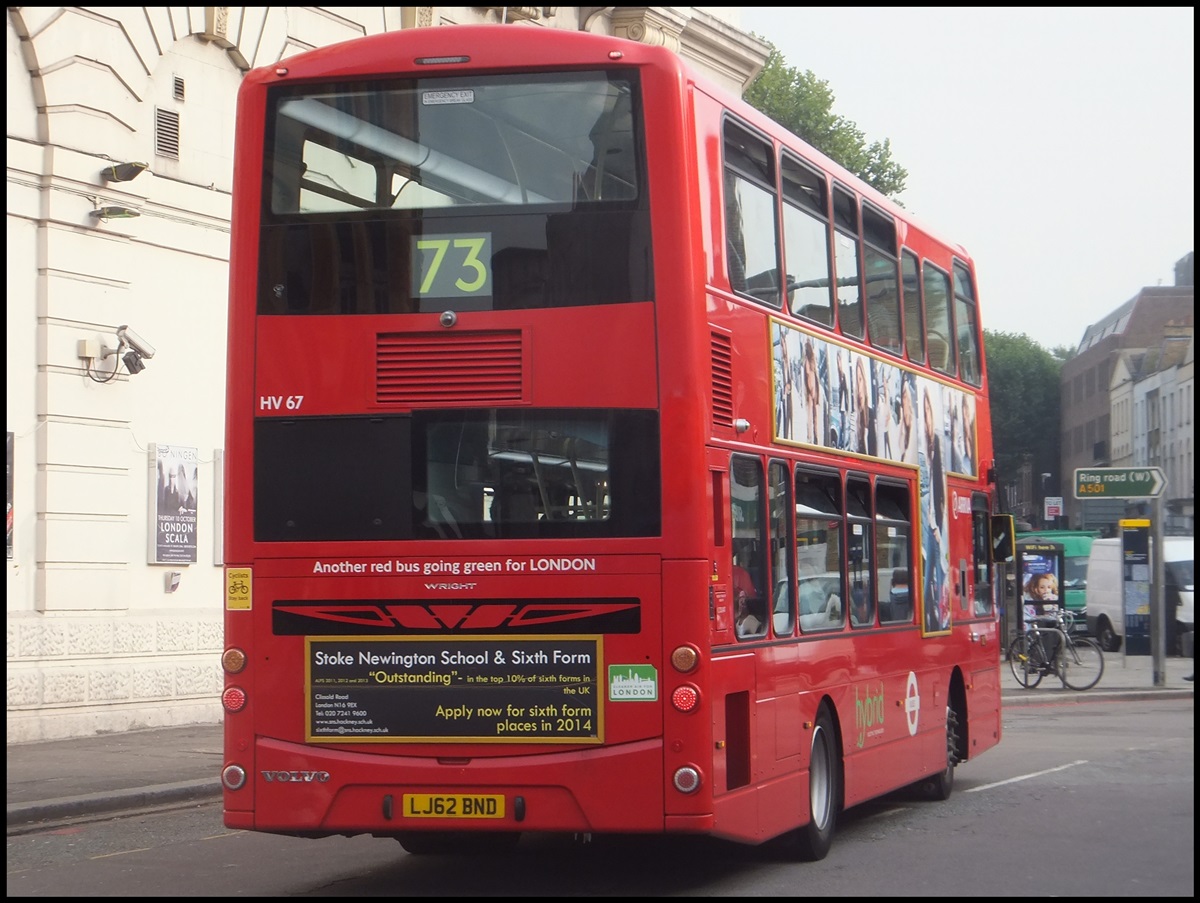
(1056, 145)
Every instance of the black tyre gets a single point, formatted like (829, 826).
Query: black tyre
(1025, 661)
(938, 787)
(1081, 664)
(1106, 636)
(812, 842)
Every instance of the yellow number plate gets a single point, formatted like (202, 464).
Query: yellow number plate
(453, 805)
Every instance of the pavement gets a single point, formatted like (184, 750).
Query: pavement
(63, 781)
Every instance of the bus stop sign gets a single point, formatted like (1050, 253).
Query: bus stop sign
(1119, 482)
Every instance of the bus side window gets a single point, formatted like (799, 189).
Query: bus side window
(882, 292)
(981, 580)
(967, 320)
(783, 608)
(859, 552)
(751, 230)
(806, 241)
(820, 550)
(748, 574)
(846, 262)
(893, 550)
(914, 329)
(939, 325)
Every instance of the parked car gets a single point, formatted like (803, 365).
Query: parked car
(1106, 586)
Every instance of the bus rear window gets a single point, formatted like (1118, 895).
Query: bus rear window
(422, 144)
(469, 475)
(500, 192)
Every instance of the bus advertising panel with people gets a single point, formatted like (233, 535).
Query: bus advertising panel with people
(606, 459)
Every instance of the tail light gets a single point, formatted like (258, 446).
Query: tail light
(685, 698)
(687, 779)
(233, 777)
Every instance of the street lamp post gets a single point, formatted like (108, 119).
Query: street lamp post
(1045, 520)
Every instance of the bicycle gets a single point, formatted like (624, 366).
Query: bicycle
(1077, 661)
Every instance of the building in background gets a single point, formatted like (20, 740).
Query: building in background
(119, 168)
(1127, 401)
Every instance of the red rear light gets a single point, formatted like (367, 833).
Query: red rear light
(234, 699)
(685, 698)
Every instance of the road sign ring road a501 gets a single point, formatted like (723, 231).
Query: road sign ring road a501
(1119, 482)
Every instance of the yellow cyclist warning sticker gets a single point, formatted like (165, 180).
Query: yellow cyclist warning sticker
(237, 589)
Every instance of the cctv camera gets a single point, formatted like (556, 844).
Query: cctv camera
(135, 341)
(133, 362)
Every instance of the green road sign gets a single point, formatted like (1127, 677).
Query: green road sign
(1119, 482)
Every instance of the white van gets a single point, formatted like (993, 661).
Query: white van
(1105, 588)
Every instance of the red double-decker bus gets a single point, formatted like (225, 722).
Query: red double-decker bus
(600, 458)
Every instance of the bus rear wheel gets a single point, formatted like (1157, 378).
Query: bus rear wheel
(812, 841)
(938, 787)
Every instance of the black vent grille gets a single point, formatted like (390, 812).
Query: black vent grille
(479, 368)
(722, 380)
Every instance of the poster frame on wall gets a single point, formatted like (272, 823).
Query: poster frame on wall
(172, 500)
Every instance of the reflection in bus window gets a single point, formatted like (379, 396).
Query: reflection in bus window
(507, 139)
(806, 242)
(967, 320)
(783, 610)
(914, 327)
(981, 581)
(819, 553)
(479, 192)
(939, 328)
(882, 288)
(859, 556)
(845, 252)
(750, 230)
(749, 565)
(893, 548)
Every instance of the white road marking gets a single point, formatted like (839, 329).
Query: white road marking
(1026, 777)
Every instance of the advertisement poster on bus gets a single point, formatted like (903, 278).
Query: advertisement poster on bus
(834, 398)
(478, 689)
(173, 491)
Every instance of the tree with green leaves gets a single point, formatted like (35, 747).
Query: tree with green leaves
(803, 103)
(1023, 383)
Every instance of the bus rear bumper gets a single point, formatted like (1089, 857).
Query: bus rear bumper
(317, 791)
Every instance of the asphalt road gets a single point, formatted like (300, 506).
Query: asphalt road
(1089, 798)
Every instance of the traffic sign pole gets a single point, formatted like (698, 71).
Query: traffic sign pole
(1158, 590)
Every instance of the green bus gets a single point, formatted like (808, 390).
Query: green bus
(1077, 546)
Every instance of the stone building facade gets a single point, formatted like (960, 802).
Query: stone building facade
(1102, 421)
